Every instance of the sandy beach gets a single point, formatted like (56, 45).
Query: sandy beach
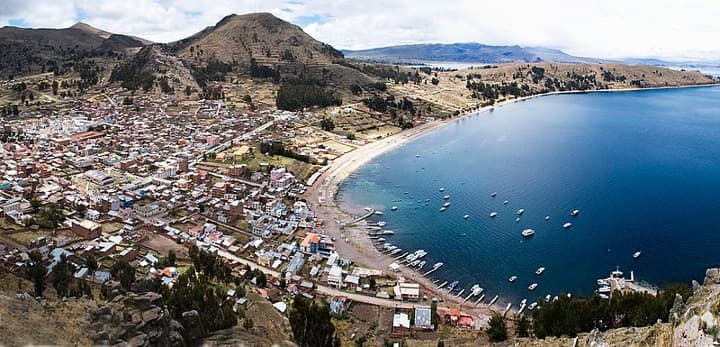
(353, 242)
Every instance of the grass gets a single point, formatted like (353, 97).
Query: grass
(5, 224)
(25, 237)
(300, 169)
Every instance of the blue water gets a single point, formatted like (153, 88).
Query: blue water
(643, 168)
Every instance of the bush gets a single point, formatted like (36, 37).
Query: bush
(297, 94)
(497, 330)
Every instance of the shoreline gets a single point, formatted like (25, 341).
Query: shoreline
(353, 243)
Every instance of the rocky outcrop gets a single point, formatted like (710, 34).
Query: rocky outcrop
(136, 320)
(697, 325)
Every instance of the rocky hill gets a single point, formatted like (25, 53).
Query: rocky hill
(153, 64)
(26, 51)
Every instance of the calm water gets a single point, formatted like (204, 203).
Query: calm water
(643, 168)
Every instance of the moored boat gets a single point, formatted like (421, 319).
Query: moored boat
(636, 254)
(493, 214)
(520, 212)
(528, 232)
(532, 287)
(567, 225)
(540, 271)
(512, 279)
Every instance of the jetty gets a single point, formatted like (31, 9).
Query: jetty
(507, 308)
(480, 300)
(364, 217)
(442, 285)
(435, 268)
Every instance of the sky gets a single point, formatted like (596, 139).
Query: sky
(667, 29)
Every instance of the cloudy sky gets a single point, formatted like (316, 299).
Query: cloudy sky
(669, 29)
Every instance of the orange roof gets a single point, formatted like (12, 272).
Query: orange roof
(454, 312)
(310, 238)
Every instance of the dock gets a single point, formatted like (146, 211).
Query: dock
(402, 256)
(364, 217)
(442, 285)
(479, 300)
(493, 300)
(509, 305)
(461, 293)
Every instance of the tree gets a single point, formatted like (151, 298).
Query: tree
(435, 81)
(171, 258)
(81, 209)
(55, 87)
(497, 330)
(91, 263)
(50, 216)
(124, 273)
(35, 271)
(522, 329)
(327, 124)
(311, 324)
(35, 203)
(62, 276)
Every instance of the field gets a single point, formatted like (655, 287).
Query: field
(163, 245)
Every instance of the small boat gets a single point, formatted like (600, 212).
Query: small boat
(394, 208)
(547, 218)
(493, 215)
(528, 232)
(388, 232)
(555, 298)
(447, 204)
(567, 225)
(506, 202)
(603, 282)
(575, 213)
(493, 194)
(523, 301)
(438, 265)
(442, 189)
(604, 296)
(547, 298)
(636, 254)
(446, 197)
(466, 216)
(442, 209)
(604, 290)
(476, 290)
(512, 279)
(463, 234)
(427, 200)
(520, 212)
(367, 209)
(532, 287)
(417, 155)
(452, 286)
(517, 220)
(379, 213)
(381, 224)
(540, 271)
(422, 263)
(532, 306)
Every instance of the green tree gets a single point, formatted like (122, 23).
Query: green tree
(35, 271)
(124, 273)
(522, 329)
(62, 276)
(327, 124)
(35, 203)
(311, 324)
(497, 330)
(91, 263)
(49, 216)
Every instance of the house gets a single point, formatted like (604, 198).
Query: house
(315, 244)
(352, 282)
(86, 229)
(401, 321)
(296, 264)
(335, 276)
(128, 254)
(423, 318)
(407, 291)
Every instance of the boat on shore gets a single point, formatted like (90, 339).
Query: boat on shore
(528, 232)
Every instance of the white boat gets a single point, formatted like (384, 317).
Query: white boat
(438, 265)
(417, 155)
(442, 189)
(447, 204)
(523, 301)
(414, 263)
(442, 209)
(547, 218)
(540, 271)
(517, 220)
(636, 254)
(379, 213)
(604, 290)
(493, 194)
(567, 225)
(422, 263)
(446, 197)
(512, 279)
(604, 296)
(388, 232)
(381, 224)
(466, 216)
(476, 289)
(528, 232)
(575, 213)
(520, 212)
(555, 298)
(532, 306)
(367, 209)
(394, 208)
(603, 282)
(506, 202)
(547, 298)
(532, 287)
(493, 215)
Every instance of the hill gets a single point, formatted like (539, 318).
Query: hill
(154, 63)
(26, 51)
(465, 52)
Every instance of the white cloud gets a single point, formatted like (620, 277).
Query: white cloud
(607, 29)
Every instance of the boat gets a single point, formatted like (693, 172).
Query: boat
(528, 232)
(493, 194)
(422, 263)
(447, 204)
(427, 200)
(452, 286)
(575, 213)
(540, 271)
(506, 202)
(636, 254)
(442, 189)
(547, 298)
(604, 296)
(555, 298)
(547, 218)
(520, 212)
(438, 265)
(367, 209)
(517, 220)
(604, 290)
(446, 197)
(617, 273)
(417, 155)
(442, 209)
(494, 300)
(381, 239)
(567, 225)
(603, 282)
(532, 306)
(414, 263)
(493, 215)
(523, 301)
(388, 232)
(532, 287)
(466, 216)
(512, 279)
(379, 213)
(476, 290)
(381, 224)
(394, 208)
(507, 308)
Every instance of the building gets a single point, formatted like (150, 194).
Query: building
(98, 177)
(296, 264)
(148, 209)
(182, 164)
(87, 229)
(335, 276)
(281, 179)
(315, 244)
(423, 318)
(407, 291)
(241, 153)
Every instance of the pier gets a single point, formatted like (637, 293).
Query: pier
(364, 217)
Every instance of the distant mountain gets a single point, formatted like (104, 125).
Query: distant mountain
(467, 53)
(25, 51)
